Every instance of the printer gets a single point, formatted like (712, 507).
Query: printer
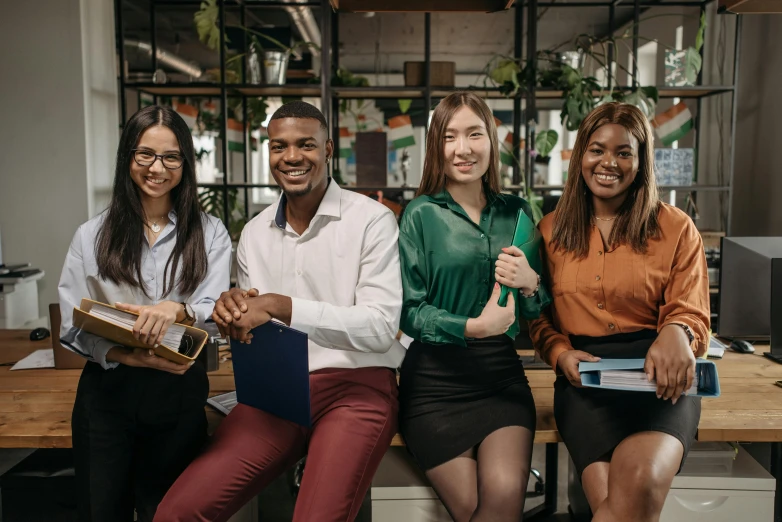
(19, 295)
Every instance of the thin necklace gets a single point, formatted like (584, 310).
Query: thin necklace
(605, 219)
(154, 227)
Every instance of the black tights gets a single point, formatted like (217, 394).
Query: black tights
(488, 482)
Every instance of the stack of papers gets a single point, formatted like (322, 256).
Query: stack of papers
(636, 380)
(126, 320)
(716, 349)
(223, 403)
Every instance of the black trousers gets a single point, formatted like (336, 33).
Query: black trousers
(134, 431)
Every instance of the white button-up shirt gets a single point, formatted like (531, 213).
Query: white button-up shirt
(342, 275)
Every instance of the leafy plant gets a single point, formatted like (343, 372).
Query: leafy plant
(545, 142)
(206, 20)
(579, 91)
(579, 98)
(211, 199)
(344, 78)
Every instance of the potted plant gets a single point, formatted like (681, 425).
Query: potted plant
(274, 61)
(579, 91)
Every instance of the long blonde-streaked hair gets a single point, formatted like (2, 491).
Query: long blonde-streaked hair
(636, 222)
(433, 177)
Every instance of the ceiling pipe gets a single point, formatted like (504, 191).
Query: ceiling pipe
(175, 62)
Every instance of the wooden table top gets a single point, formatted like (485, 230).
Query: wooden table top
(35, 405)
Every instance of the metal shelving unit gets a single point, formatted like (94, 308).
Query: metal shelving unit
(525, 108)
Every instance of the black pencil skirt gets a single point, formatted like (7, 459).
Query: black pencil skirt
(592, 422)
(452, 397)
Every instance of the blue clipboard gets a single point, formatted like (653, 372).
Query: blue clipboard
(272, 372)
(706, 371)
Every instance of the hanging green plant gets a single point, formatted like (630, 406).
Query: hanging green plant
(579, 97)
(206, 23)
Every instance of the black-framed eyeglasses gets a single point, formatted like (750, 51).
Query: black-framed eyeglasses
(146, 158)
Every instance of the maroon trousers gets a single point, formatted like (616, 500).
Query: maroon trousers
(354, 414)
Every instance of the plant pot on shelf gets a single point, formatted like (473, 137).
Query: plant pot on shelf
(443, 74)
(275, 67)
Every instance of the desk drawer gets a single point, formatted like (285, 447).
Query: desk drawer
(693, 505)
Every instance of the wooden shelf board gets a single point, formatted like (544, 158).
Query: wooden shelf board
(475, 6)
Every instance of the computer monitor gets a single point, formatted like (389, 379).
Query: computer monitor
(746, 294)
(776, 311)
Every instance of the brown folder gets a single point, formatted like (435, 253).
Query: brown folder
(97, 326)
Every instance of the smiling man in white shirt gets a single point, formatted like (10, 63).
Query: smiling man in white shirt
(325, 261)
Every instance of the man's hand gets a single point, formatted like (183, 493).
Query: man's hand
(237, 312)
(671, 361)
(256, 315)
(567, 362)
(230, 306)
(140, 358)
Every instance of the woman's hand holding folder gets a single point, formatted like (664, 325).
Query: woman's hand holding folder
(153, 320)
(671, 361)
(567, 363)
(514, 271)
(141, 358)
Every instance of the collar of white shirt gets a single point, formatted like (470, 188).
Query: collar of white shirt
(329, 205)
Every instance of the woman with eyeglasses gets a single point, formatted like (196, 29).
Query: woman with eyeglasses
(139, 419)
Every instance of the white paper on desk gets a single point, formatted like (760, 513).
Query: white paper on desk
(37, 359)
(716, 349)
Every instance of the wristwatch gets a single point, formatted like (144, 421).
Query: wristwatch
(189, 315)
(687, 330)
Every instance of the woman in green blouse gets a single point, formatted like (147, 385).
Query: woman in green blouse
(466, 409)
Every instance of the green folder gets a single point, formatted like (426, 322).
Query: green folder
(527, 238)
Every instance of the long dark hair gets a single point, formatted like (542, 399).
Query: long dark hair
(433, 178)
(637, 219)
(121, 236)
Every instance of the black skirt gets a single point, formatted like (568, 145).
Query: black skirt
(592, 422)
(452, 397)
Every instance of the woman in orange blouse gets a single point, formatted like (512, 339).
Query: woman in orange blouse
(629, 280)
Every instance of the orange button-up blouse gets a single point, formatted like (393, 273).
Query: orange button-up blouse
(619, 291)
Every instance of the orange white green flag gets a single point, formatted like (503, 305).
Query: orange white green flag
(189, 113)
(673, 124)
(235, 135)
(401, 131)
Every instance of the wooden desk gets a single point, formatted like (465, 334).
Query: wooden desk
(35, 405)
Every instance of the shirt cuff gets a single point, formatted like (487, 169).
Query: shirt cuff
(447, 328)
(553, 355)
(697, 345)
(305, 315)
(89, 346)
(99, 354)
(202, 313)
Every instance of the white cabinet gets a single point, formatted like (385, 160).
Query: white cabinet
(746, 493)
(400, 492)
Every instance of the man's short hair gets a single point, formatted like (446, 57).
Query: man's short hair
(300, 109)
